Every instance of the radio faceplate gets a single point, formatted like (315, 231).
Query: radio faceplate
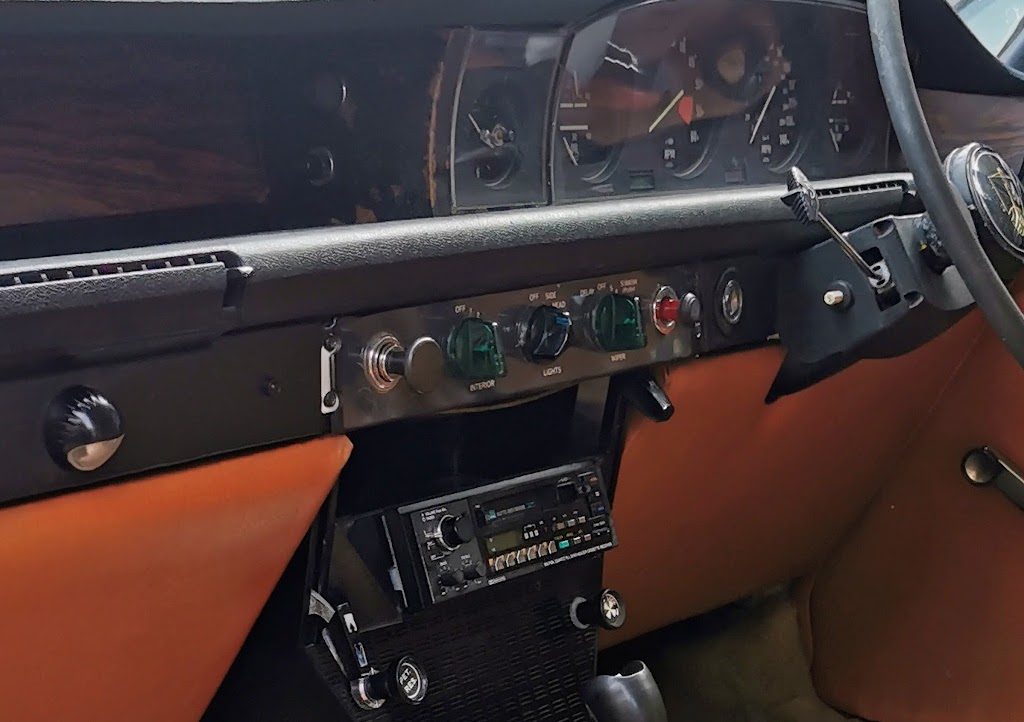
(488, 535)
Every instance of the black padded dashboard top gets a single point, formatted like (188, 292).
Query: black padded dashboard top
(276, 278)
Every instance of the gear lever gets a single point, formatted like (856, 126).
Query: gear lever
(632, 695)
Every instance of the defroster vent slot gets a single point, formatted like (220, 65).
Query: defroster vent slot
(132, 304)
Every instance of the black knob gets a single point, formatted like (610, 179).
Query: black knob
(476, 572)
(606, 610)
(404, 681)
(422, 364)
(545, 334)
(455, 531)
(690, 310)
(82, 429)
(453, 578)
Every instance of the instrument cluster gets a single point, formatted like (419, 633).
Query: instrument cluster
(667, 97)
(676, 96)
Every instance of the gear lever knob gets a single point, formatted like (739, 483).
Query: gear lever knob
(630, 696)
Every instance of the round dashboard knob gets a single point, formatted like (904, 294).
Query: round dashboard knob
(405, 681)
(545, 334)
(606, 610)
(453, 532)
(422, 364)
(474, 352)
(83, 429)
(615, 322)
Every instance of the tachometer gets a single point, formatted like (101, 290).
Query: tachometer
(774, 122)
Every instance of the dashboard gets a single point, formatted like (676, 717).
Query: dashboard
(469, 236)
(667, 97)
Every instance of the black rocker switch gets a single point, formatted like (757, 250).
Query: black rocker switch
(405, 681)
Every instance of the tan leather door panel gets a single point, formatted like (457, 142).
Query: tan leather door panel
(919, 614)
(731, 495)
(129, 602)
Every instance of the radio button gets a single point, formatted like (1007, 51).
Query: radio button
(564, 544)
(520, 556)
(510, 560)
(542, 550)
(531, 553)
(552, 547)
(499, 564)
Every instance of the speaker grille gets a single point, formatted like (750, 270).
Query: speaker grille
(507, 653)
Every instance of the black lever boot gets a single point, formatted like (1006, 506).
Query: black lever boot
(630, 696)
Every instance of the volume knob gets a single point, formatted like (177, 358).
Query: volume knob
(83, 429)
(453, 532)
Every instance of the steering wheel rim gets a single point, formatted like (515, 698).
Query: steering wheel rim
(946, 208)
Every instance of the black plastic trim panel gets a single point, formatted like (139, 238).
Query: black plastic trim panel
(243, 391)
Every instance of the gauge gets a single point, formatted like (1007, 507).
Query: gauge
(774, 122)
(575, 137)
(847, 127)
(491, 135)
(685, 138)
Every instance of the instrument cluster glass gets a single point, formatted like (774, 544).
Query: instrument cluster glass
(701, 94)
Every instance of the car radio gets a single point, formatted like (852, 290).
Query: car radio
(471, 540)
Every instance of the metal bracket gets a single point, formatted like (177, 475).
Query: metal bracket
(985, 466)
(329, 398)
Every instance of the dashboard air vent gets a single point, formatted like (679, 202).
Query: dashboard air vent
(32, 277)
(892, 185)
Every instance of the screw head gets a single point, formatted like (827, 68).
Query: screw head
(332, 343)
(330, 398)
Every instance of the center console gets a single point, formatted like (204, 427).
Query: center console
(457, 571)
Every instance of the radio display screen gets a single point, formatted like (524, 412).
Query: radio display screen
(505, 540)
(508, 508)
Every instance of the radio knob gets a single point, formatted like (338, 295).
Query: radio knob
(453, 578)
(475, 572)
(616, 322)
(453, 532)
(422, 364)
(545, 334)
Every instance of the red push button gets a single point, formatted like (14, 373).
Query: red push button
(666, 310)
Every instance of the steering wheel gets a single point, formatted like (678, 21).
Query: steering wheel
(945, 204)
